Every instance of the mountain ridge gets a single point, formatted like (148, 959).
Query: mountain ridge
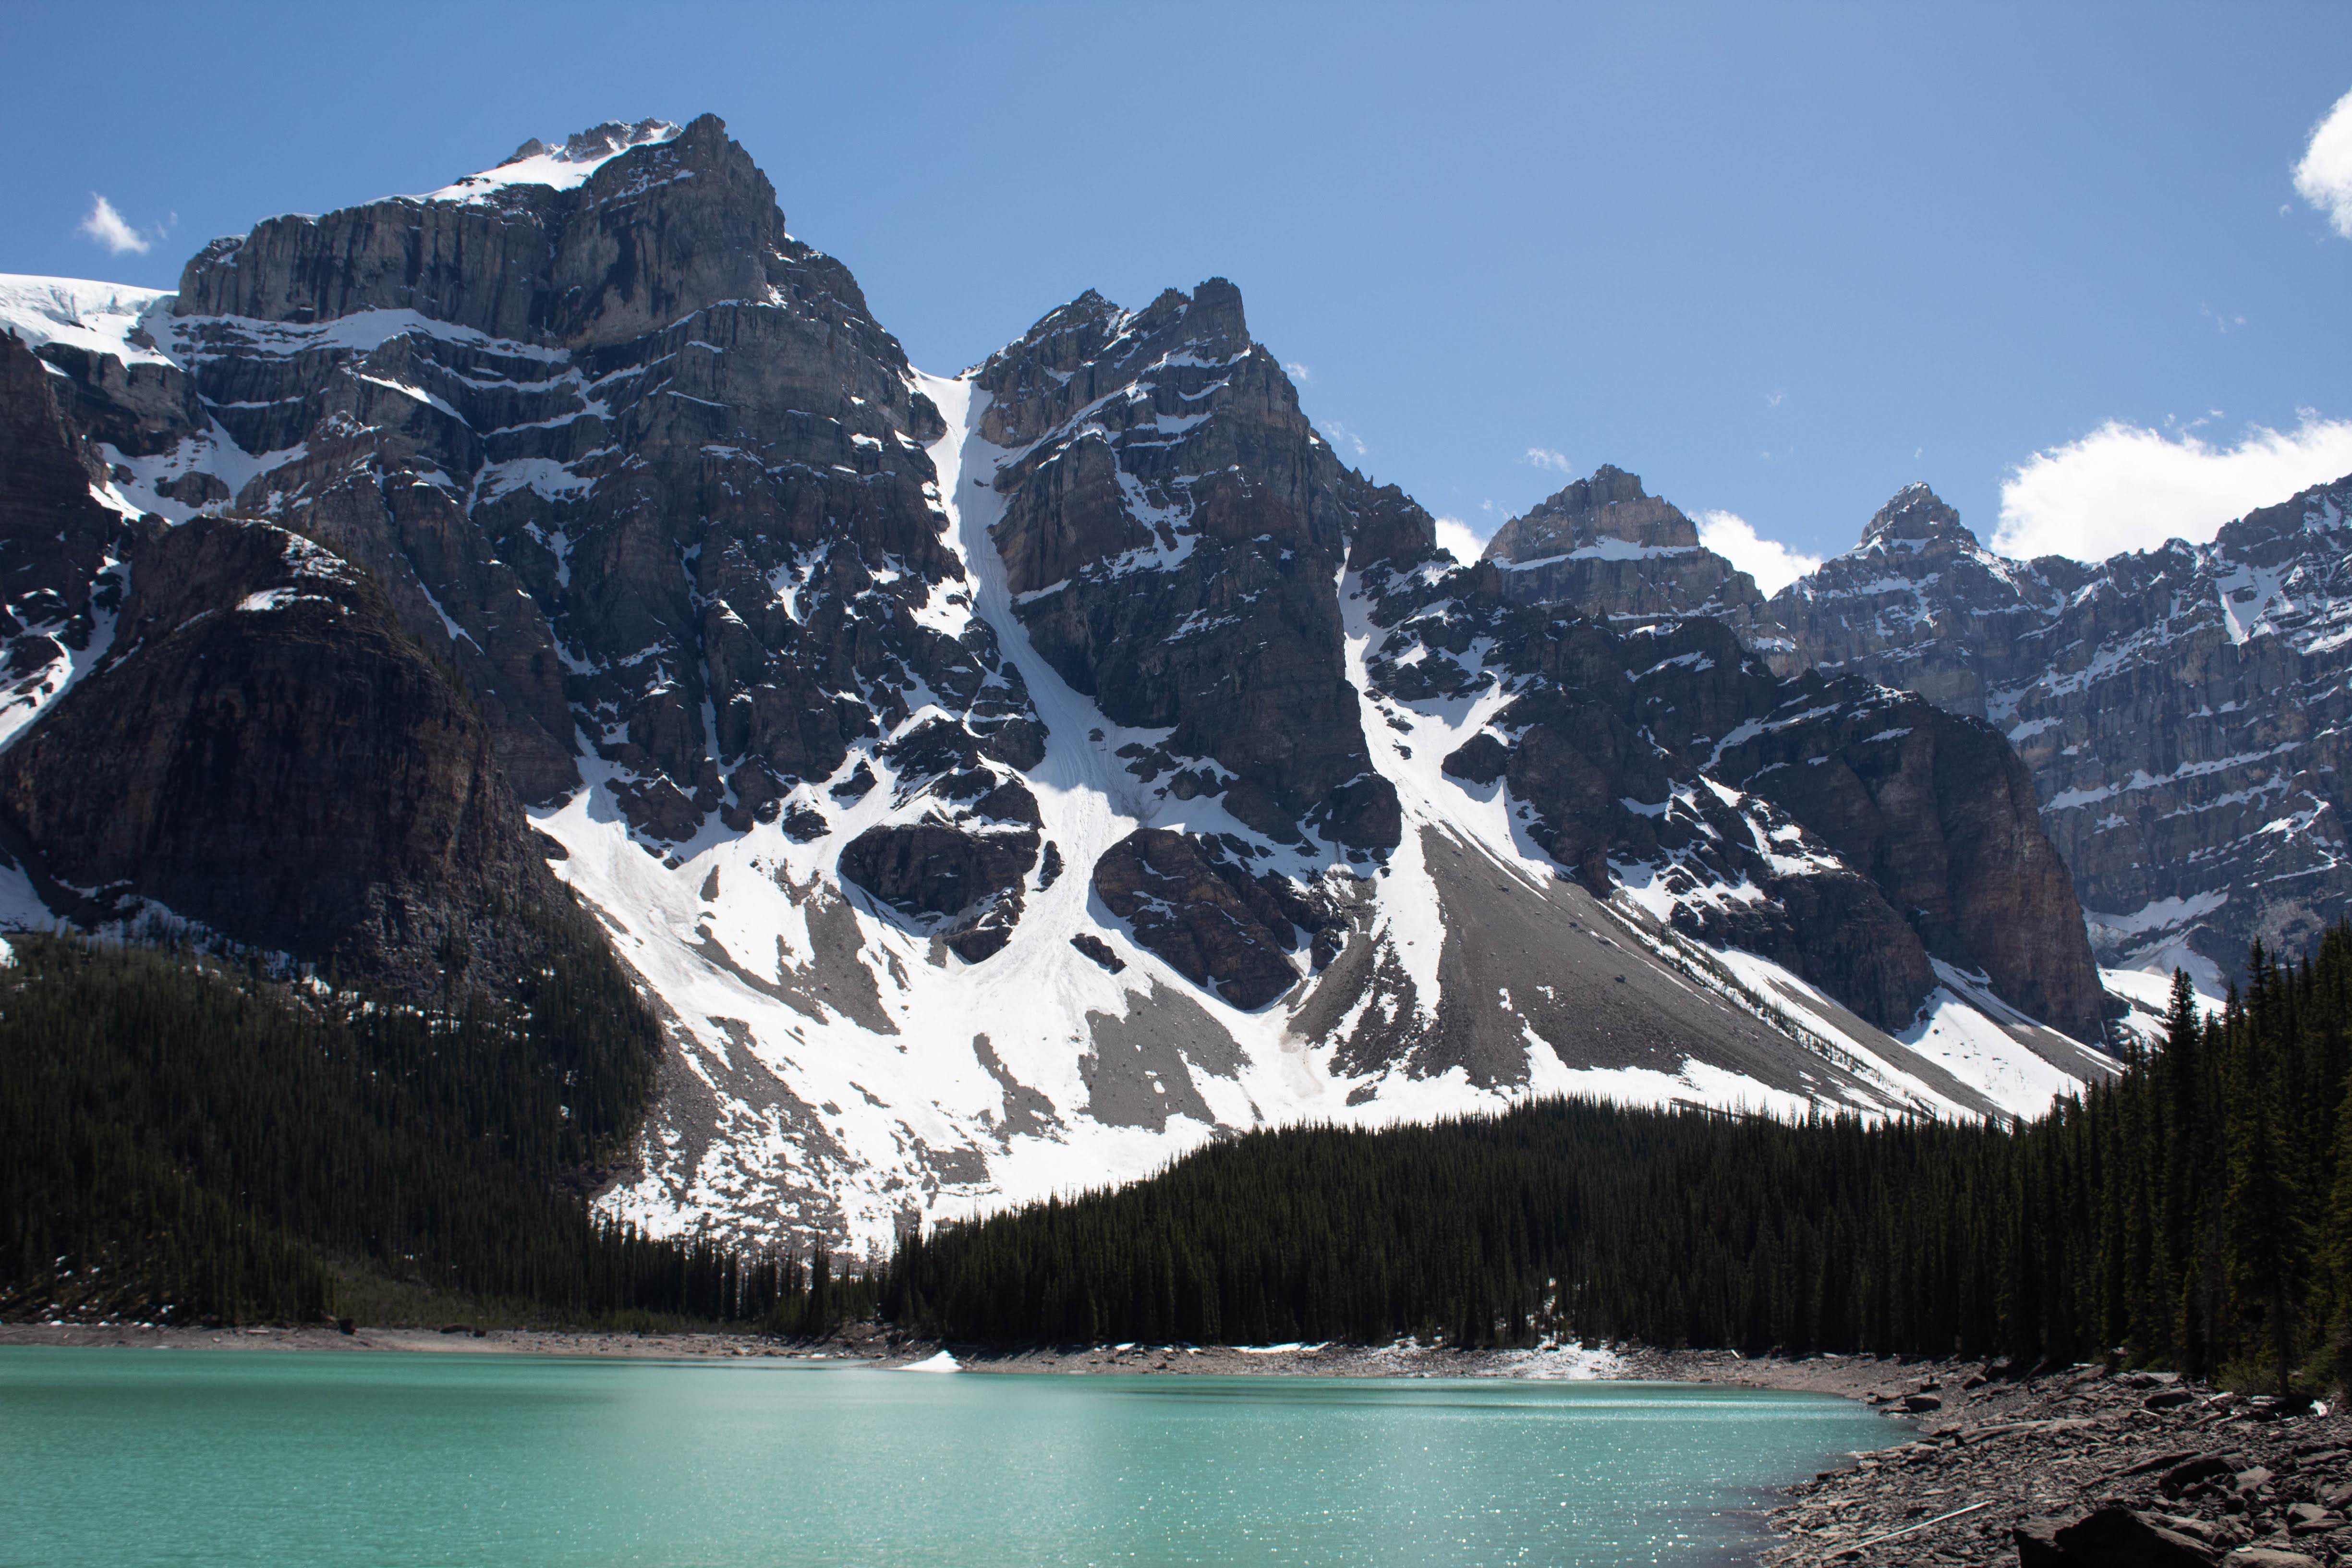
(1001, 782)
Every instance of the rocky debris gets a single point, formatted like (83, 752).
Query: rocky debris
(1189, 902)
(264, 752)
(2182, 709)
(1173, 528)
(2064, 1468)
(1606, 547)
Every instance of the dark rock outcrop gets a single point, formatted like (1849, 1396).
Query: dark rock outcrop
(1939, 813)
(1870, 856)
(266, 754)
(933, 870)
(1190, 905)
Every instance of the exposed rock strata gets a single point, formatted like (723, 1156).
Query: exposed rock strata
(1173, 528)
(1187, 901)
(635, 459)
(2183, 711)
(1606, 547)
(59, 545)
(1939, 813)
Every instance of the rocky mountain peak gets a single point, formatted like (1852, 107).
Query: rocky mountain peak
(1607, 547)
(992, 777)
(1915, 513)
(1611, 505)
(597, 143)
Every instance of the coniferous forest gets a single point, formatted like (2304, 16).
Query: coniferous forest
(185, 1141)
(2196, 1213)
(182, 1141)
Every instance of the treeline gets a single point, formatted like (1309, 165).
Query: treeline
(2196, 1213)
(182, 1141)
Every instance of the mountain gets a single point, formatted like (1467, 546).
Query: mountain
(2182, 709)
(1608, 547)
(999, 782)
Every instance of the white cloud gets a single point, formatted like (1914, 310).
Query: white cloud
(1545, 458)
(107, 227)
(1296, 371)
(1459, 537)
(2124, 487)
(1339, 436)
(2323, 178)
(1772, 563)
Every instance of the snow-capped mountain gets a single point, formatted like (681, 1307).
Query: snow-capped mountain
(1002, 781)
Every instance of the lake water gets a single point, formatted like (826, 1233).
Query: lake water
(190, 1458)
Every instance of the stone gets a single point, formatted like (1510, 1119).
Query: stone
(933, 871)
(1173, 528)
(1203, 915)
(2115, 1537)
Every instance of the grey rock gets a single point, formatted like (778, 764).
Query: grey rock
(2182, 709)
(1608, 548)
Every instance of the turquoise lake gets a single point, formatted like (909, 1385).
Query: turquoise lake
(192, 1458)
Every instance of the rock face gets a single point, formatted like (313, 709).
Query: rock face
(1173, 528)
(1001, 782)
(2181, 710)
(639, 463)
(1939, 813)
(60, 546)
(1608, 548)
(1847, 803)
(266, 753)
(1189, 902)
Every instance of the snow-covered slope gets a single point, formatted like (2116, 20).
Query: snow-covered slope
(841, 1069)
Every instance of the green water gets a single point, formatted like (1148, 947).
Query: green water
(192, 1459)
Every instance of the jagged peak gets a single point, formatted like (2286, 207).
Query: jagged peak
(1915, 511)
(568, 165)
(1608, 504)
(1210, 321)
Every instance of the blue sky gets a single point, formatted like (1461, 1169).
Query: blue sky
(1779, 261)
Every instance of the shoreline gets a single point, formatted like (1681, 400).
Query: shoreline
(1977, 1459)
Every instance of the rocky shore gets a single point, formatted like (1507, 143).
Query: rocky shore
(2075, 1469)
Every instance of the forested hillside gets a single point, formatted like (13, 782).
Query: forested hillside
(183, 1142)
(2197, 1214)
